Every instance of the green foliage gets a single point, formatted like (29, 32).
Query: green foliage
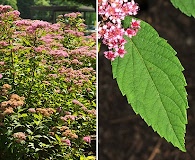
(12, 3)
(42, 2)
(85, 2)
(64, 2)
(24, 7)
(72, 40)
(87, 158)
(47, 93)
(186, 7)
(150, 75)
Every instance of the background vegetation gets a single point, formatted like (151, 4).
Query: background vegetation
(24, 5)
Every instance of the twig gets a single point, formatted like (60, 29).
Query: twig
(124, 119)
(156, 150)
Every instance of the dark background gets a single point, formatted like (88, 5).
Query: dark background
(124, 135)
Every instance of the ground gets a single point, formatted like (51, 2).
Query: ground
(124, 135)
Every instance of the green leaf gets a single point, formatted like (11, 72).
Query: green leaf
(99, 45)
(185, 6)
(87, 158)
(22, 115)
(58, 138)
(151, 77)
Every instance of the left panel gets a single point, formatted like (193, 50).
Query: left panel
(47, 80)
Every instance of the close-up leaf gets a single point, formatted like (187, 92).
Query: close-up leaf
(187, 7)
(150, 76)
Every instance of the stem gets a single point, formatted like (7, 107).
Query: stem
(12, 70)
(32, 82)
(33, 69)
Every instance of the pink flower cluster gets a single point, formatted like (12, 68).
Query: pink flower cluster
(87, 139)
(66, 141)
(32, 25)
(77, 102)
(110, 29)
(73, 15)
(8, 11)
(68, 117)
(19, 136)
(5, 8)
(3, 44)
(59, 53)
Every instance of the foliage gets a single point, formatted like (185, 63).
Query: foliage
(24, 8)
(24, 5)
(74, 2)
(87, 158)
(86, 2)
(161, 72)
(186, 7)
(47, 98)
(64, 2)
(12, 3)
(146, 69)
(42, 2)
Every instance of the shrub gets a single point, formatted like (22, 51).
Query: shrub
(47, 97)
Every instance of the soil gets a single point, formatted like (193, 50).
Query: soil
(123, 135)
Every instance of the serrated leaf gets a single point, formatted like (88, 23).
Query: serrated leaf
(185, 6)
(151, 77)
